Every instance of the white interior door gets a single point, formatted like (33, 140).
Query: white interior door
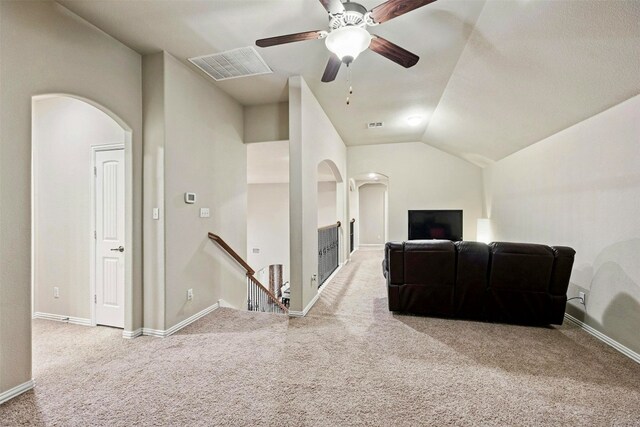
(111, 247)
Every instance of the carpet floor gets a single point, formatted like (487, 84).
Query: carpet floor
(349, 362)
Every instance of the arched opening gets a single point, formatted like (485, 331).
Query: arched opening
(369, 207)
(81, 190)
(330, 194)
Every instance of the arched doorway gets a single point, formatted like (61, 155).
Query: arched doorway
(81, 213)
(368, 206)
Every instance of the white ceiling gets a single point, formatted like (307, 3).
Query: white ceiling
(493, 78)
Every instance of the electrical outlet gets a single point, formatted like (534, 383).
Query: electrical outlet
(189, 294)
(583, 297)
(204, 213)
(56, 292)
(156, 213)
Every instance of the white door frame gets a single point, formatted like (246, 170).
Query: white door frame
(92, 239)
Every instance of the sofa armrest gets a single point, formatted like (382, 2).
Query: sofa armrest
(394, 259)
(561, 273)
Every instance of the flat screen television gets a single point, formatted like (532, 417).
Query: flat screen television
(438, 224)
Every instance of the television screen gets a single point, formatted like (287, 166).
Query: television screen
(445, 225)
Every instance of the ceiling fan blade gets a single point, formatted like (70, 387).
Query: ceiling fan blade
(394, 8)
(393, 52)
(333, 66)
(290, 38)
(333, 6)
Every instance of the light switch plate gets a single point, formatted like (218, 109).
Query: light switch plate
(204, 213)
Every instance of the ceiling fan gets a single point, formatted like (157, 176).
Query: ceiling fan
(348, 36)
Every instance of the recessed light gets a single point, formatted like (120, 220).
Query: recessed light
(372, 175)
(414, 120)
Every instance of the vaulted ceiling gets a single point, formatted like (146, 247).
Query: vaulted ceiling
(494, 76)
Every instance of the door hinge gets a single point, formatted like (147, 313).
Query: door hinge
(95, 171)
(95, 299)
(95, 235)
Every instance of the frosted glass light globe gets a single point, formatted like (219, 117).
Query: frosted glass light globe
(348, 42)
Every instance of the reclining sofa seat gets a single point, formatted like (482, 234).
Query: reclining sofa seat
(504, 282)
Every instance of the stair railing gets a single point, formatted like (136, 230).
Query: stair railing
(328, 251)
(259, 298)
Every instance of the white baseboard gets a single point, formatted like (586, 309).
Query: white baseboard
(175, 328)
(371, 245)
(131, 334)
(604, 338)
(16, 391)
(307, 308)
(315, 298)
(61, 318)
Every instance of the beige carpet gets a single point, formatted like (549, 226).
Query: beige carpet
(349, 362)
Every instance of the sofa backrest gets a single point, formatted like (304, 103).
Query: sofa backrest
(472, 275)
(429, 262)
(520, 266)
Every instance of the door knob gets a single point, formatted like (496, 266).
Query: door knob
(118, 249)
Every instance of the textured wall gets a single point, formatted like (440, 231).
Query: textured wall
(313, 139)
(422, 177)
(46, 49)
(268, 225)
(204, 154)
(581, 188)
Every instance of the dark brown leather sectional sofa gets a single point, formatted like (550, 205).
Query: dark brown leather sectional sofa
(518, 283)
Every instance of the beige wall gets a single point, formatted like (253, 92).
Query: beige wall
(153, 104)
(371, 214)
(268, 225)
(327, 200)
(581, 188)
(421, 177)
(193, 143)
(64, 130)
(312, 140)
(45, 49)
(204, 154)
(269, 122)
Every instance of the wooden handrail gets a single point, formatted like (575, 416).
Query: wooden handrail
(326, 227)
(268, 292)
(231, 252)
(249, 270)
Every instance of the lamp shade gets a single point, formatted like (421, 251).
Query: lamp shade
(348, 42)
(484, 230)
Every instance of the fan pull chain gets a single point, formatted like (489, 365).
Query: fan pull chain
(350, 87)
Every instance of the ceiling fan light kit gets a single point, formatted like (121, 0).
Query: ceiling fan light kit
(348, 42)
(348, 36)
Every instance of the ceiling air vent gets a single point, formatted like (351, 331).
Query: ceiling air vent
(241, 62)
(374, 125)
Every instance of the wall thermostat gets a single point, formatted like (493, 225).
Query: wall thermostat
(190, 198)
